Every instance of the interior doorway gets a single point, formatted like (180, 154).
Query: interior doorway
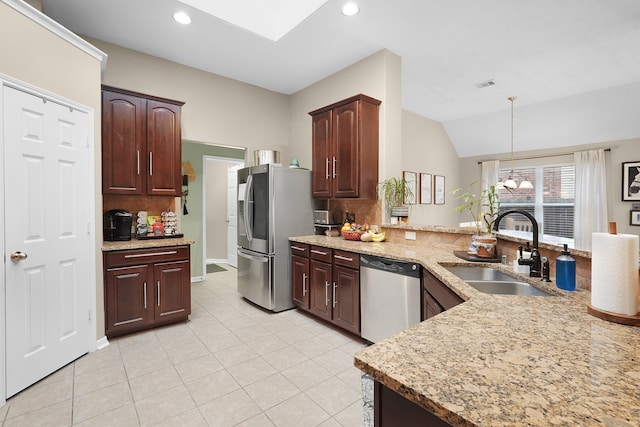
(219, 210)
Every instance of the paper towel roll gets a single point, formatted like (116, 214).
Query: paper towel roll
(614, 273)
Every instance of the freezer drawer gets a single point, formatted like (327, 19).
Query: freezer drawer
(254, 278)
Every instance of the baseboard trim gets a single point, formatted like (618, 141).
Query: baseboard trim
(102, 343)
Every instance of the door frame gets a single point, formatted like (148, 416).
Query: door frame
(205, 159)
(93, 344)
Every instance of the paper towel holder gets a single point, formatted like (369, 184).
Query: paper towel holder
(614, 317)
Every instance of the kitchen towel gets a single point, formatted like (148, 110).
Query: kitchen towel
(614, 273)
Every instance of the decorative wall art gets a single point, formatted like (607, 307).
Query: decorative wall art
(631, 181)
(438, 190)
(411, 180)
(425, 188)
(635, 218)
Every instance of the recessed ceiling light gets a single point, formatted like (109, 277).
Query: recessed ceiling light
(182, 18)
(350, 9)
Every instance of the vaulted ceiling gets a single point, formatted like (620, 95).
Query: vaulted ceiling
(574, 65)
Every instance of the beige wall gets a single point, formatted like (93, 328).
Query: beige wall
(426, 148)
(621, 151)
(33, 54)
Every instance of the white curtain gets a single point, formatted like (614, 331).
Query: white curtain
(489, 174)
(590, 214)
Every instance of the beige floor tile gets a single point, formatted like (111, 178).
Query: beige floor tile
(272, 390)
(100, 401)
(220, 340)
(313, 347)
(333, 395)
(260, 420)
(58, 414)
(240, 323)
(99, 378)
(146, 362)
(106, 358)
(284, 358)
(230, 409)
(185, 353)
(353, 415)
(251, 333)
(198, 368)
(306, 375)
(124, 416)
(176, 335)
(192, 418)
(61, 374)
(335, 361)
(38, 396)
(298, 411)
(236, 354)
(332, 422)
(163, 406)
(154, 382)
(266, 344)
(336, 337)
(294, 335)
(211, 387)
(251, 371)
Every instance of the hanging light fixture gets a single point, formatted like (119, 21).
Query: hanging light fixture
(510, 183)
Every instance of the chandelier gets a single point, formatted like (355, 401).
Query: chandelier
(511, 183)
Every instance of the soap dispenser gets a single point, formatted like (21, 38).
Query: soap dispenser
(566, 271)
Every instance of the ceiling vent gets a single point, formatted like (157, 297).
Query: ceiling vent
(485, 84)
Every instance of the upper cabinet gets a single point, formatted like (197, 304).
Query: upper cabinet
(345, 149)
(141, 144)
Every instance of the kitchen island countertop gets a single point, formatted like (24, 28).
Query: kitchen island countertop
(503, 360)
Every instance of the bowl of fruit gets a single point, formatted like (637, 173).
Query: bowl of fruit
(353, 231)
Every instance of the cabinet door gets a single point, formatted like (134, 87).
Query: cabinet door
(128, 299)
(300, 281)
(164, 149)
(346, 150)
(322, 166)
(438, 296)
(320, 287)
(346, 298)
(172, 291)
(123, 135)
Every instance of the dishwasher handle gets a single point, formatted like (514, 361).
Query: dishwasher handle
(391, 265)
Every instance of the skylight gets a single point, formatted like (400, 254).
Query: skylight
(270, 19)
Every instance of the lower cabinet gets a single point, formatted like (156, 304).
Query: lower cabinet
(326, 283)
(437, 297)
(146, 288)
(391, 409)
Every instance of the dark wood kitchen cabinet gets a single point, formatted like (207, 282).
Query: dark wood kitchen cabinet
(141, 144)
(437, 297)
(300, 274)
(145, 288)
(331, 289)
(345, 149)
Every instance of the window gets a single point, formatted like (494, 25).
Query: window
(550, 201)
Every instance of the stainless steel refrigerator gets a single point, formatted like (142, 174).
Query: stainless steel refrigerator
(274, 203)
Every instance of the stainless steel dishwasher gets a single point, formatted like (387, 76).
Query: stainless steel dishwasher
(389, 296)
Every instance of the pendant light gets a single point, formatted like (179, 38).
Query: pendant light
(510, 183)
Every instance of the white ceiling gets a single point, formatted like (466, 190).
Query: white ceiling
(564, 56)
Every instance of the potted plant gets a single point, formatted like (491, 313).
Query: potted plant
(483, 208)
(394, 191)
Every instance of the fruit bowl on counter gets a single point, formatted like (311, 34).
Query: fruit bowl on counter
(352, 234)
(361, 232)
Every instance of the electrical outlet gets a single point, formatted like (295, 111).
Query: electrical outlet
(410, 235)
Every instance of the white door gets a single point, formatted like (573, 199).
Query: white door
(232, 216)
(47, 242)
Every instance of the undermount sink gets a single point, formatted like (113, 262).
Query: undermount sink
(491, 281)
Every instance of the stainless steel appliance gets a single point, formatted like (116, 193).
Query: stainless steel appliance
(324, 217)
(274, 203)
(389, 296)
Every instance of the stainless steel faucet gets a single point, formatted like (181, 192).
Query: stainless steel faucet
(535, 263)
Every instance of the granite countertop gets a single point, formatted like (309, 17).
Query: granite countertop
(146, 243)
(503, 360)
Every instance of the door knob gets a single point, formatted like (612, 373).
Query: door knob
(18, 256)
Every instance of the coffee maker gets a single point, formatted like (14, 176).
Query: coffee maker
(117, 225)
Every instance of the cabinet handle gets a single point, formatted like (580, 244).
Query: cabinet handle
(313, 251)
(334, 294)
(150, 163)
(304, 284)
(326, 168)
(145, 295)
(326, 292)
(151, 254)
(158, 289)
(298, 248)
(334, 167)
(343, 258)
(138, 161)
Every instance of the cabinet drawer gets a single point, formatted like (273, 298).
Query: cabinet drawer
(145, 256)
(299, 249)
(346, 259)
(321, 253)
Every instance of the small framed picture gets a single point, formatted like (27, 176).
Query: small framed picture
(411, 180)
(631, 181)
(635, 218)
(438, 190)
(425, 188)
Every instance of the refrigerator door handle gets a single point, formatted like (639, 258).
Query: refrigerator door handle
(249, 255)
(248, 222)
